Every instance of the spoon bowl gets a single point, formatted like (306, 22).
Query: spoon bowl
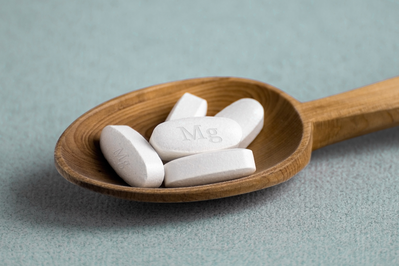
(283, 147)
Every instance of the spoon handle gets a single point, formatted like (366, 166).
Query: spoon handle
(353, 113)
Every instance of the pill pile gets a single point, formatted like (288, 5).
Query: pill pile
(189, 148)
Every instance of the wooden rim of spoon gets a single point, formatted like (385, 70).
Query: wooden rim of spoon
(291, 131)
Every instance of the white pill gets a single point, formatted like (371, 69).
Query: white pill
(188, 106)
(210, 167)
(131, 156)
(187, 136)
(249, 114)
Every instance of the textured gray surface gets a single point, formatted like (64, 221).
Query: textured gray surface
(60, 58)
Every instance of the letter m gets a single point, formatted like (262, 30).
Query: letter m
(188, 136)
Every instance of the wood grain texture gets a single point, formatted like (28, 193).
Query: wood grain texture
(291, 130)
(353, 113)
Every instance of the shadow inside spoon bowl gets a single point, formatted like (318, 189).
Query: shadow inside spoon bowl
(282, 148)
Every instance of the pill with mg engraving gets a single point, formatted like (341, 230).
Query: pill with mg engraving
(188, 106)
(249, 114)
(131, 156)
(210, 167)
(182, 137)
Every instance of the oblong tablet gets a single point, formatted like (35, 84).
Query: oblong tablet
(188, 106)
(131, 156)
(210, 167)
(249, 114)
(177, 138)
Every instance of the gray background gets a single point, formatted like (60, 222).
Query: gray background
(59, 59)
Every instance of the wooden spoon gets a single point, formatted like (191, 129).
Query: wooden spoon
(291, 131)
